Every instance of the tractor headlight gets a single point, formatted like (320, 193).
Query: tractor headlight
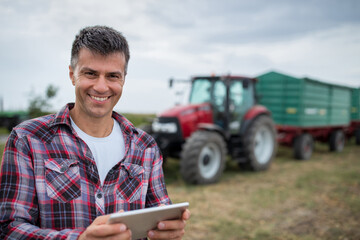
(164, 127)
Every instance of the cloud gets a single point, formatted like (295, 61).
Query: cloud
(316, 38)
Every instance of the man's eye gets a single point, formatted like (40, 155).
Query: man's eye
(114, 76)
(90, 74)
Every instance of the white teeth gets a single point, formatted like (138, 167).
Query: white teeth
(99, 98)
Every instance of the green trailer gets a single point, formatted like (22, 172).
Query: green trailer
(306, 110)
(355, 104)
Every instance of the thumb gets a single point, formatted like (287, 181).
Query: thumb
(101, 220)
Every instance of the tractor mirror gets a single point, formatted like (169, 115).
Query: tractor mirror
(171, 81)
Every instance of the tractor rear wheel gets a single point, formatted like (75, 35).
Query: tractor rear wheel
(260, 144)
(203, 158)
(337, 141)
(303, 146)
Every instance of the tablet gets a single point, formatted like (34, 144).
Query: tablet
(142, 220)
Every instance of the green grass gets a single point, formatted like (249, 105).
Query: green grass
(139, 119)
(300, 200)
(2, 146)
(3, 131)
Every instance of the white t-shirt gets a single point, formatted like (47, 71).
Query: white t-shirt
(107, 151)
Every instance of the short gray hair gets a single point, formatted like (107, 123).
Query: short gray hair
(102, 40)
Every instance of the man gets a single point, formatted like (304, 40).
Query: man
(63, 174)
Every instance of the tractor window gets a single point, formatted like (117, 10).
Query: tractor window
(200, 92)
(219, 96)
(236, 93)
(241, 100)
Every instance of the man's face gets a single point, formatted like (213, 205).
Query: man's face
(98, 82)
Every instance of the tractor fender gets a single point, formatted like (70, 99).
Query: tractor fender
(251, 115)
(211, 127)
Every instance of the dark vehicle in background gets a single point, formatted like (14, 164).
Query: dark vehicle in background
(10, 119)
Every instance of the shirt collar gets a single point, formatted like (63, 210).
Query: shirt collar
(63, 117)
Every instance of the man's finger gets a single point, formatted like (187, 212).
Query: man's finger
(105, 230)
(186, 215)
(171, 225)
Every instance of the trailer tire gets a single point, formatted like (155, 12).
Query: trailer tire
(337, 141)
(203, 158)
(357, 136)
(260, 144)
(303, 146)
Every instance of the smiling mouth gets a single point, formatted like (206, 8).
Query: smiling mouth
(101, 99)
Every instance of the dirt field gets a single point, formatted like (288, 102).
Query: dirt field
(315, 199)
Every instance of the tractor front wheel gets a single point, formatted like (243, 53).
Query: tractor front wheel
(203, 158)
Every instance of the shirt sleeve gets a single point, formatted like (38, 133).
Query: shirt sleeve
(18, 200)
(157, 193)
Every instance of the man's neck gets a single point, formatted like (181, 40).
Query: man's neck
(95, 127)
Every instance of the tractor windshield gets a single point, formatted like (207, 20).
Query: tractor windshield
(201, 91)
(206, 90)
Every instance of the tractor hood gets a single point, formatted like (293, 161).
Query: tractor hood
(187, 118)
(180, 111)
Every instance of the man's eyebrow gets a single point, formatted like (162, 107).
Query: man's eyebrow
(87, 69)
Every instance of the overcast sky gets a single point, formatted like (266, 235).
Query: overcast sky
(178, 38)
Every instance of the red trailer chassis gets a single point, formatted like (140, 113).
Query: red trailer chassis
(334, 135)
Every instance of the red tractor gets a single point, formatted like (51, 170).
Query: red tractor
(221, 119)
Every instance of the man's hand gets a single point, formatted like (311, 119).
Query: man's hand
(100, 230)
(172, 229)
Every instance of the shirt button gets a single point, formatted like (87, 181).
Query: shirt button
(63, 169)
(99, 195)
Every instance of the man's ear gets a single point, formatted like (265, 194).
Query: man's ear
(72, 75)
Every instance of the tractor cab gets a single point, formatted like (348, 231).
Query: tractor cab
(230, 97)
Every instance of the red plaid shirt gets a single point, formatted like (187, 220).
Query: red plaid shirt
(49, 183)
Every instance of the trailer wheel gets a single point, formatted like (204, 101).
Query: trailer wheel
(303, 146)
(203, 158)
(337, 141)
(357, 136)
(260, 144)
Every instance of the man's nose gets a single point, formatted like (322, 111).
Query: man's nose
(101, 85)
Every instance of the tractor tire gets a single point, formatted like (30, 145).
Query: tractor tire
(357, 136)
(303, 146)
(337, 141)
(260, 144)
(203, 158)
